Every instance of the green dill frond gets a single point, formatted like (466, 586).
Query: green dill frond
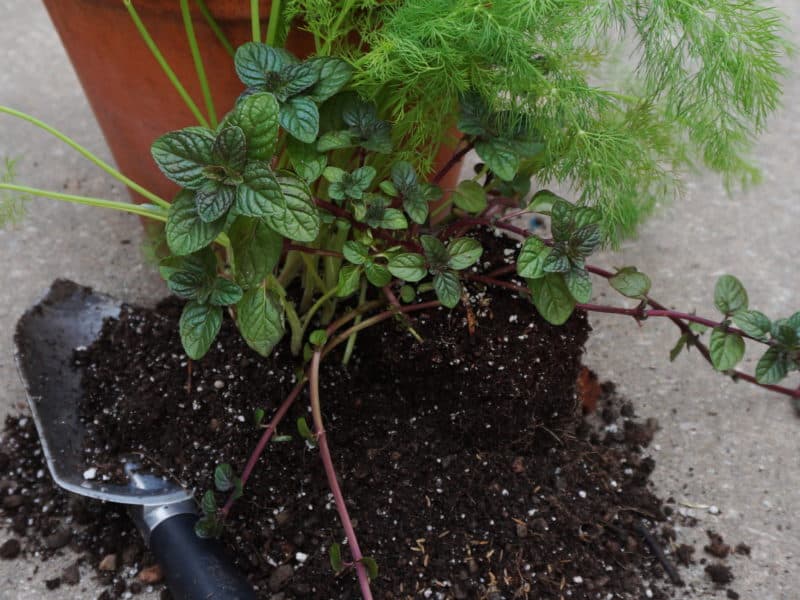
(705, 76)
(13, 205)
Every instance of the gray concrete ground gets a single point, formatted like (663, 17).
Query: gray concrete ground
(722, 444)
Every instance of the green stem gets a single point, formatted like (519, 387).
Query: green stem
(198, 62)
(316, 306)
(290, 268)
(163, 63)
(334, 32)
(86, 154)
(215, 28)
(148, 211)
(255, 20)
(296, 343)
(275, 14)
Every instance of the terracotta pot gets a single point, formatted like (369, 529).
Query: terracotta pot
(132, 99)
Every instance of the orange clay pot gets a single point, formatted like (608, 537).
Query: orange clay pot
(130, 95)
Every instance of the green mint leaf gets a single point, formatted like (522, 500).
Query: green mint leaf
(378, 138)
(584, 217)
(190, 286)
(300, 220)
(198, 326)
(335, 553)
(224, 292)
(308, 163)
(532, 256)
(377, 274)
(630, 283)
(213, 200)
(676, 350)
(256, 250)
(299, 116)
(404, 178)
(463, 253)
(258, 416)
(336, 140)
(500, 156)
(557, 261)
(209, 503)
(355, 252)
(223, 477)
(729, 295)
(470, 197)
(473, 117)
(726, 349)
(208, 527)
(185, 230)
(260, 194)
(543, 200)
(362, 177)
(407, 294)
(190, 277)
(183, 155)
(349, 279)
(773, 366)
(552, 298)
(305, 431)
(318, 337)
(388, 188)
(333, 75)
(392, 219)
(435, 251)
(698, 328)
(784, 334)
(257, 116)
(447, 287)
(295, 79)
(259, 316)
(561, 220)
(230, 148)
(579, 284)
(372, 567)
(585, 240)
(408, 266)
(416, 207)
(254, 61)
(334, 174)
(754, 323)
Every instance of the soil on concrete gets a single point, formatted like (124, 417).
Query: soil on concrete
(468, 468)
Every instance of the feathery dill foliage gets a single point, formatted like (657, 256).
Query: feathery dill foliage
(708, 75)
(12, 204)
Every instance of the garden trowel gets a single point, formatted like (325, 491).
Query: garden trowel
(69, 317)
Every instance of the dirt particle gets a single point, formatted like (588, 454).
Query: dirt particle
(109, 563)
(719, 574)
(732, 595)
(52, 584)
(743, 549)
(717, 546)
(280, 577)
(151, 575)
(58, 539)
(71, 575)
(10, 549)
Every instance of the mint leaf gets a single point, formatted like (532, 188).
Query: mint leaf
(209, 503)
(470, 197)
(463, 253)
(773, 366)
(447, 287)
(336, 558)
(300, 221)
(224, 477)
(500, 156)
(754, 323)
(213, 200)
(676, 350)
(333, 75)
(435, 251)
(336, 140)
(726, 349)
(259, 317)
(729, 295)
(377, 274)
(198, 326)
(630, 283)
(349, 279)
(308, 163)
(185, 231)
(579, 284)
(408, 266)
(532, 256)
(257, 116)
(260, 194)
(557, 261)
(190, 277)
(182, 155)
(299, 116)
(208, 527)
(294, 79)
(254, 61)
(230, 148)
(552, 298)
(371, 565)
(355, 252)
(404, 177)
(256, 250)
(224, 292)
(391, 219)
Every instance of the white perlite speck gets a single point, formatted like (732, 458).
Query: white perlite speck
(90, 473)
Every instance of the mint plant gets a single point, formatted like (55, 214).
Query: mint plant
(311, 210)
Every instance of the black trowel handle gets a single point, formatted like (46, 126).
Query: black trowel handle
(196, 568)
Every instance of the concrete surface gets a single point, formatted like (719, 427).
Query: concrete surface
(723, 444)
